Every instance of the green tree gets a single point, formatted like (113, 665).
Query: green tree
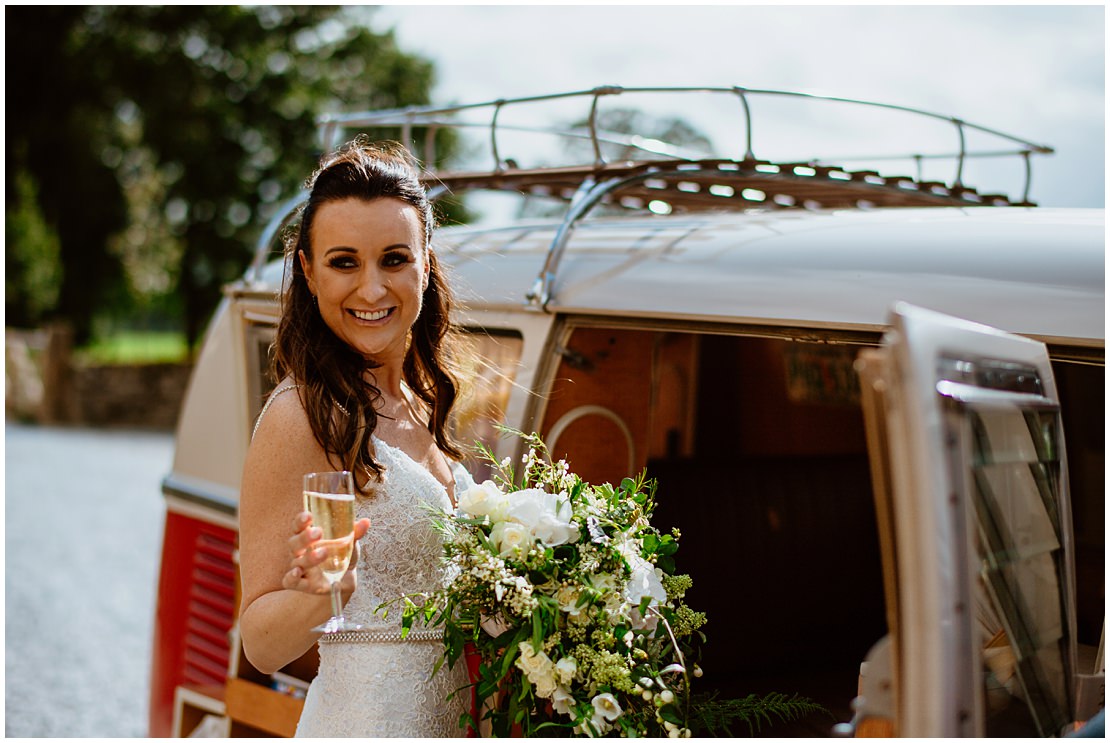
(159, 138)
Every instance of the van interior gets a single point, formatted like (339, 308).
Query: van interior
(759, 451)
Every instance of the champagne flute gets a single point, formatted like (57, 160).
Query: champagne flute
(330, 498)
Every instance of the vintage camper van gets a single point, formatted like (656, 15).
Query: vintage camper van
(874, 406)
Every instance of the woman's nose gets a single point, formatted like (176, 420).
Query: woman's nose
(372, 286)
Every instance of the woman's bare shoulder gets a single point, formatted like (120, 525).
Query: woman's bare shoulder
(283, 434)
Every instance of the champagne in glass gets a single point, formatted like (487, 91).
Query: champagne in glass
(329, 497)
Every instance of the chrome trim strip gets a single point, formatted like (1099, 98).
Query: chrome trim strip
(201, 493)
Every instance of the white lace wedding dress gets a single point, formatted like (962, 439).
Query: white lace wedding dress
(374, 684)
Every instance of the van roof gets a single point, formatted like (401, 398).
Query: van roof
(1034, 271)
(825, 253)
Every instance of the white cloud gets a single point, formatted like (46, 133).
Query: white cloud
(1032, 71)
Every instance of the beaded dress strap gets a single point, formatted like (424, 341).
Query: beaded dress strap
(269, 402)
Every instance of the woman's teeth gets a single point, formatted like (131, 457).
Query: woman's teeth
(370, 315)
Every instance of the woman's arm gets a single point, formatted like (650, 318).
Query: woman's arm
(284, 593)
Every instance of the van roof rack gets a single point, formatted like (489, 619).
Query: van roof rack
(662, 177)
(690, 181)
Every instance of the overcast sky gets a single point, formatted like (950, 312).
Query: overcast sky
(1037, 72)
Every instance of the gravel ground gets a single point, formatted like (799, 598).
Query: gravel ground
(84, 517)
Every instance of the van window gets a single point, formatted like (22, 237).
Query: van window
(259, 338)
(489, 361)
(1013, 462)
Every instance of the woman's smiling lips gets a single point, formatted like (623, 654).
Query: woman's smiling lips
(372, 316)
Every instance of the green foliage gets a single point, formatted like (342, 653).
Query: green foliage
(161, 137)
(136, 348)
(714, 716)
(32, 264)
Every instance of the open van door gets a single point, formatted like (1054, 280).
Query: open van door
(971, 486)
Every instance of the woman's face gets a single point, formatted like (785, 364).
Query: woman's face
(368, 271)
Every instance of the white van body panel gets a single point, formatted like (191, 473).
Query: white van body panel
(211, 444)
(1026, 270)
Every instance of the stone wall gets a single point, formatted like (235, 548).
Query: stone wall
(45, 384)
(144, 396)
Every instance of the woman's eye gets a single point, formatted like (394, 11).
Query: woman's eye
(394, 259)
(342, 262)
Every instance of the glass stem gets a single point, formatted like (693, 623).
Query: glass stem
(336, 602)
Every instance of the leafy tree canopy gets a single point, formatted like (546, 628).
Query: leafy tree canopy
(152, 141)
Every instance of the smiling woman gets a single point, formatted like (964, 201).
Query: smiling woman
(364, 341)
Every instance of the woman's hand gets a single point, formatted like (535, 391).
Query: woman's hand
(304, 572)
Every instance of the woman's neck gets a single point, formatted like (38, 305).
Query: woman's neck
(388, 379)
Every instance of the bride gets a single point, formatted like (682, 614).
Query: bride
(364, 353)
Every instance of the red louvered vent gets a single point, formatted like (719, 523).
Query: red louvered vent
(211, 612)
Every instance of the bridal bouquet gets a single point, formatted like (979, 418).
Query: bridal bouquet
(571, 599)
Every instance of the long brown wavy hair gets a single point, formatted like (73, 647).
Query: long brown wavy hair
(336, 390)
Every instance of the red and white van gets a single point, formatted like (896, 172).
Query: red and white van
(876, 499)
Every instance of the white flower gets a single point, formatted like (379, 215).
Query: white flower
(667, 696)
(538, 668)
(568, 596)
(645, 581)
(545, 684)
(606, 710)
(485, 499)
(510, 538)
(565, 670)
(547, 516)
(562, 700)
(603, 582)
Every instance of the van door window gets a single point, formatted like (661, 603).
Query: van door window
(260, 382)
(1005, 437)
(489, 362)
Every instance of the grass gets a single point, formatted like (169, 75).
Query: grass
(136, 347)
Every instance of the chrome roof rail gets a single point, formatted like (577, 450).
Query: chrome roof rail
(331, 126)
(284, 214)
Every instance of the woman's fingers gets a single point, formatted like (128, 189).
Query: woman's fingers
(304, 574)
(304, 534)
(305, 578)
(361, 527)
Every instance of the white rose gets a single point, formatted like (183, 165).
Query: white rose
(530, 661)
(510, 538)
(538, 668)
(546, 515)
(485, 499)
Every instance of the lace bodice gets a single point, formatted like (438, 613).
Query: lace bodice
(387, 689)
(401, 553)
